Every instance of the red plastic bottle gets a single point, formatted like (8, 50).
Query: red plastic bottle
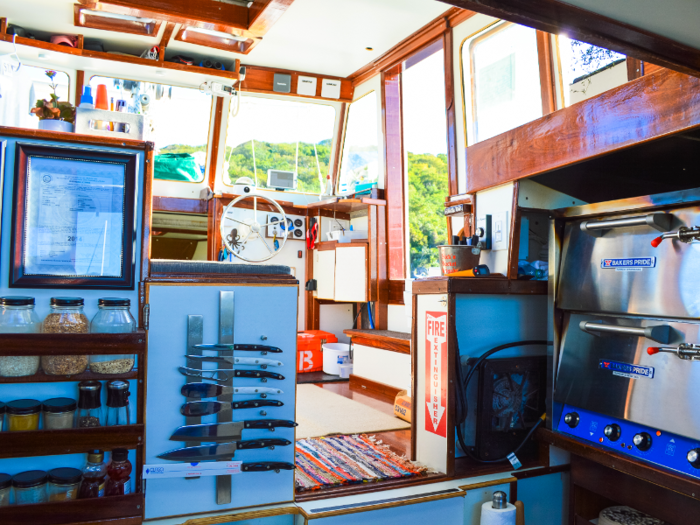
(118, 480)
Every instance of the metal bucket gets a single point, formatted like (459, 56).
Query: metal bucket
(457, 258)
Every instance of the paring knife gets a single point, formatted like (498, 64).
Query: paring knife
(222, 376)
(222, 432)
(245, 348)
(264, 466)
(202, 390)
(224, 451)
(207, 408)
(253, 361)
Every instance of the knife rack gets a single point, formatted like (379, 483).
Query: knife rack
(226, 314)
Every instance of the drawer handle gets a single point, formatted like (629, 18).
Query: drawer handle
(660, 333)
(659, 221)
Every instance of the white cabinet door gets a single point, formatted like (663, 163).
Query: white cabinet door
(324, 273)
(351, 274)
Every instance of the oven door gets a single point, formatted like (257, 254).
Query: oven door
(605, 367)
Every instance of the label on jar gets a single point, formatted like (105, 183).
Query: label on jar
(127, 487)
(101, 490)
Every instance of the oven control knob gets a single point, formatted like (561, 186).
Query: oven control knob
(612, 432)
(642, 441)
(694, 457)
(572, 419)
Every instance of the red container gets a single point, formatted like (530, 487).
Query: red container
(309, 343)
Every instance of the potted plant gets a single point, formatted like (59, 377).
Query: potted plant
(53, 114)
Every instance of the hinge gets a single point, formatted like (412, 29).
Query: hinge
(146, 315)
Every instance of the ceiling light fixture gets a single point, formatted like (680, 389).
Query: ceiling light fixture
(211, 32)
(116, 16)
(369, 48)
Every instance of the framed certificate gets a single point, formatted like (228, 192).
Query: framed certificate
(74, 224)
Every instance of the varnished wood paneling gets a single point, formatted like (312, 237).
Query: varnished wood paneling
(133, 27)
(165, 39)
(217, 42)
(79, 80)
(645, 109)
(82, 511)
(335, 171)
(386, 392)
(74, 138)
(478, 285)
(547, 85)
(147, 210)
(261, 79)
(215, 140)
(635, 68)
(450, 112)
(396, 289)
(650, 69)
(263, 14)
(384, 339)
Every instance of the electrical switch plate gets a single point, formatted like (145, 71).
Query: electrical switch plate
(306, 86)
(483, 223)
(330, 88)
(500, 231)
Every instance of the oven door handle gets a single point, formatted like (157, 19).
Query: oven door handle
(659, 221)
(660, 333)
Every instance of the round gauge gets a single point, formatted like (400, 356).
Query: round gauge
(274, 218)
(298, 233)
(298, 223)
(290, 225)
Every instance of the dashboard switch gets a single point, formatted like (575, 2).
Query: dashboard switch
(612, 432)
(694, 457)
(642, 441)
(572, 419)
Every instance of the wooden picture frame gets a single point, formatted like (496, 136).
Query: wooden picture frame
(59, 194)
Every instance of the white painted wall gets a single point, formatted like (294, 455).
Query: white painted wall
(382, 366)
(397, 318)
(335, 318)
(598, 83)
(490, 202)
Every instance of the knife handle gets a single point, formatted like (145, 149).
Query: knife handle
(258, 348)
(262, 443)
(257, 374)
(255, 403)
(265, 466)
(201, 408)
(269, 423)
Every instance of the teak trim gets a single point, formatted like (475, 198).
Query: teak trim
(381, 341)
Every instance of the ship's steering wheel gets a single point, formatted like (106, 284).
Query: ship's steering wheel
(251, 230)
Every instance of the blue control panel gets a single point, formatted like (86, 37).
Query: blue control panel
(631, 439)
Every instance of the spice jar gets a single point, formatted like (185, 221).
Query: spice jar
(64, 483)
(89, 404)
(23, 415)
(2, 416)
(66, 317)
(30, 487)
(5, 489)
(17, 316)
(113, 317)
(59, 413)
(117, 403)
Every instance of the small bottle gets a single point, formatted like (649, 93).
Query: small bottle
(118, 480)
(94, 474)
(89, 404)
(86, 100)
(117, 403)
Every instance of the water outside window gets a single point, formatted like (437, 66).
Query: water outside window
(425, 143)
(281, 135)
(360, 160)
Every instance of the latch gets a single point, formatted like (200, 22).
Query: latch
(684, 234)
(686, 351)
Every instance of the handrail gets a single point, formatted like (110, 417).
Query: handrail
(660, 333)
(659, 221)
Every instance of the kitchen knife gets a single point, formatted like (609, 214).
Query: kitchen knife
(253, 361)
(245, 348)
(222, 376)
(264, 466)
(222, 432)
(223, 451)
(202, 390)
(207, 408)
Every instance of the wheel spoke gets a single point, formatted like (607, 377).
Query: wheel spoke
(255, 209)
(236, 220)
(262, 238)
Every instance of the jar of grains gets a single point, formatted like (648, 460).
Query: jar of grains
(5, 489)
(66, 317)
(30, 487)
(59, 413)
(23, 415)
(113, 317)
(17, 316)
(64, 483)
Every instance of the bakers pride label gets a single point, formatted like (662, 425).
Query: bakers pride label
(436, 373)
(627, 370)
(628, 264)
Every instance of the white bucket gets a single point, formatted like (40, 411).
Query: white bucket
(331, 352)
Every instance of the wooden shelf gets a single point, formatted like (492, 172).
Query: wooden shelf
(71, 441)
(73, 344)
(42, 377)
(127, 509)
(478, 285)
(383, 339)
(345, 205)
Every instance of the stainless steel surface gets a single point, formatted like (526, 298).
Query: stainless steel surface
(659, 333)
(556, 234)
(667, 289)
(683, 234)
(668, 401)
(226, 317)
(500, 500)
(457, 258)
(658, 220)
(195, 336)
(687, 352)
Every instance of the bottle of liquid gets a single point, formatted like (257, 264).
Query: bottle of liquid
(118, 480)
(89, 404)
(93, 485)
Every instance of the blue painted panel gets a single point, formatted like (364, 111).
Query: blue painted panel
(544, 498)
(259, 310)
(667, 450)
(446, 512)
(287, 519)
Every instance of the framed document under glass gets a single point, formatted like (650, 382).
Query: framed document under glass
(74, 223)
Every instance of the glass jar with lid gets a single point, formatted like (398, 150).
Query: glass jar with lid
(23, 415)
(3, 407)
(59, 413)
(113, 317)
(17, 316)
(89, 404)
(30, 487)
(64, 483)
(117, 403)
(66, 317)
(5, 489)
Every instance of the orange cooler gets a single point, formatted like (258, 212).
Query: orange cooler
(309, 348)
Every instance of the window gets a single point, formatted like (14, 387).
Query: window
(587, 70)
(360, 160)
(282, 135)
(501, 73)
(177, 121)
(425, 143)
(20, 90)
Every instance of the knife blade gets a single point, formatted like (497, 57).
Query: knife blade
(264, 466)
(244, 348)
(202, 390)
(223, 375)
(207, 408)
(253, 361)
(223, 451)
(222, 432)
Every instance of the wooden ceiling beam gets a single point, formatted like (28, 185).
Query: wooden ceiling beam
(553, 16)
(263, 14)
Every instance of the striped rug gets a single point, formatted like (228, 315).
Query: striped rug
(343, 460)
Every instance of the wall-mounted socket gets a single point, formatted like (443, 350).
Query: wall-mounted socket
(500, 231)
(483, 231)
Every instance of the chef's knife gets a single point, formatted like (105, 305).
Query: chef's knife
(223, 451)
(222, 376)
(202, 390)
(222, 432)
(264, 466)
(253, 361)
(244, 348)
(207, 408)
